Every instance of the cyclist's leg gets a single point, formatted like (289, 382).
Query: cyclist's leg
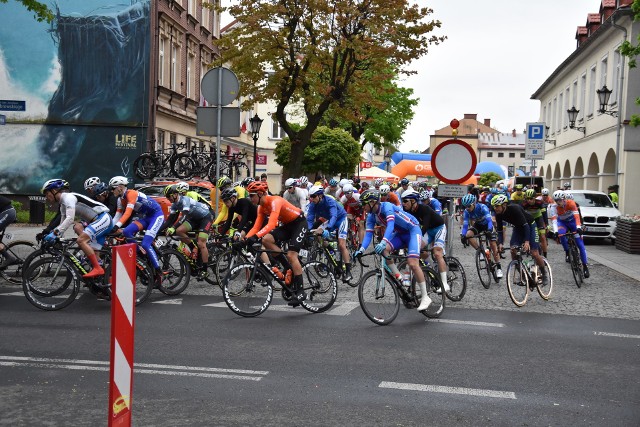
(342, 247)
(296, 230)
(542, 235)
(438, 236)
(563, 229)
(413, 241)
(151, 231)
(8, 216)
(471, 233)
(89, 237)
(204, 230)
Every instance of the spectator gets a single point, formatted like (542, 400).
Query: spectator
(613, 193)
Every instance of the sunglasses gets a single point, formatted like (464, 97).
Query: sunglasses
(313, 196)
(406, 200)
(253, 194)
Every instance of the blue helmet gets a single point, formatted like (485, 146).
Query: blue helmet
(468, 200)
(404, 181)
(333, 182)
(100, 188)
(54, 184)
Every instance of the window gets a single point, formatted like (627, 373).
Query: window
(204, 21)
(583, 96)
(191, 7)
(276, 129)
(500, 154)
(512, 155)
(490, 154)
(561, 113)
(553, 115)
(172, 139)
(615, 82)
(548, 119)
(574, 94)
(161, 61)
(565, 116)
(174, 67)
(160, 140)
(190, 76)
(592, 91)
(188, 143)
(522, 155)
(603, 72)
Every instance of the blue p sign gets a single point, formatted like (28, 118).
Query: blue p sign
(535, 131)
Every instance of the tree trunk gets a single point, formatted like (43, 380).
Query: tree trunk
(295, 159)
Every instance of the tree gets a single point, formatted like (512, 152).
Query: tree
(489, 179)
(331, 151)
(631, 51)
(42, 12)
(314, 53)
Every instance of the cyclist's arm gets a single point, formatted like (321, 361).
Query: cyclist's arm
(68, 211)
(258, 224)
(487, 217)
(274, 217)
(371, 223)
(303, 199)
(224, 211)
(130, 200)
(465, 222)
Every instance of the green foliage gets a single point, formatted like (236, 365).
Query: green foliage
(631, 51)
(42, 12)
(331, 151)
(489, 179)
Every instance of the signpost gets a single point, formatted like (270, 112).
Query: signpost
(9, 105)
(534, 145)
(365, 165)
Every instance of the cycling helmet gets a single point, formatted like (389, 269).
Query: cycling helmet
(499, 199)
(404, 181)
(424, 195)
(182, 187)
(364, 185)
(333, 182)
(494, 190)
(342, 182)
(316, 190)
(303, 181)
(100, 189)
(54, 184)
(118, 180)
(171, 189)
(377, 182)
(371, 195)
(559, 195)
(256, 186)
(223, 181)
(290, 182)
(410, 194)
(248, 180)
(91, 182)
(468, 200)
(228, 193)
(566, 185)
(545, 191)
(519, 186)
(530, 193)
(349, 181)
(384, 189)
(348, 188)
(569, 196)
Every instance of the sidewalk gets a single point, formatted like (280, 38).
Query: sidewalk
(622, 262)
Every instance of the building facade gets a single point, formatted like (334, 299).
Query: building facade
(468, 130)
(505, 149)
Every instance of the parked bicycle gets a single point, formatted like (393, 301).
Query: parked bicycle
(380, 293)
(523, 274)
(165, 163)
(19, 249)
(232, 166)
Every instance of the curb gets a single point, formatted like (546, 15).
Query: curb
(614, 266)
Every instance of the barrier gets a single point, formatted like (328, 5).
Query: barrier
(123, 298)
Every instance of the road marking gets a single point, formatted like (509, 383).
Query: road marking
(13, 294)
(343, 309)
(217, 305)
(176, 301)
(468, 322)
(143, 368)
(611, 334)
(449, 390)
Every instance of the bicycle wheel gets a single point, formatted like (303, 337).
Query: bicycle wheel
(175, 271)
(320, 286)
(146, 166)
(51, 283)
(378, 297)
(517, 283)
(20, 249)
(357, 270)
(247, 289)
(484, 268)
(224, 261)
(456, 279)
(434, 291)
(576, 265)
(183, 166)
(545, 291)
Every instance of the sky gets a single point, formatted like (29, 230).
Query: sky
(498, 53)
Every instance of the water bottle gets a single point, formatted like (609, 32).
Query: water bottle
(406, 279)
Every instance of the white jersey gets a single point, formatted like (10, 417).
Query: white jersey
(74, 205)
(299, 198)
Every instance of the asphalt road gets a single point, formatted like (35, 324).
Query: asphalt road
(573, 360)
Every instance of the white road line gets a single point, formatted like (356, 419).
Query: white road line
(13, 294)
(611, 334)
(217, 305)
(343, 309)
(449, 390)
(468, 322)
(176, 301)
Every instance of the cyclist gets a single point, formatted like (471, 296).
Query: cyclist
(480, 215)
(568, 221)
(386, 195)
(377, 183)
(518, 195)
(404, 186)
(183, 190)
(148, 217)
(74, 205)
(194, 215)
(536, 207)
(332, 188)
(295, 195)
(433, 229)
(104, 195)
(90, 183)
(402, 231)
(524, 230)
(427, 198)
(245, 212)
(223, 183)
(351, 202)
(292, 229)
(327, 207)
(7, 216)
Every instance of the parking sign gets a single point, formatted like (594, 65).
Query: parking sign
(534, 146)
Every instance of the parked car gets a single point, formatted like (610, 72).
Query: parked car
(155, 189)
(598, 214)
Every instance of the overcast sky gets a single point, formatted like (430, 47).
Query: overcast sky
(497, 54)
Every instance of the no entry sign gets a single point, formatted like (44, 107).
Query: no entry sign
(453, 161)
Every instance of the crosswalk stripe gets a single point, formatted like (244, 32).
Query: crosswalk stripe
(612, 334)
(449, 390)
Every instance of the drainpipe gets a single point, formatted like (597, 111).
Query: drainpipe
(620, 89)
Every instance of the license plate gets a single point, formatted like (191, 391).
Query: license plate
(587, 229)
(303, 252)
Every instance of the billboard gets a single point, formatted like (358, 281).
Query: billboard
(84, 82)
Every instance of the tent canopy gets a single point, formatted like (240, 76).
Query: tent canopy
(376, 172)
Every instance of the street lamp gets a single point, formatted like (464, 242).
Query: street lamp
(573, 114)
(603, 99)
(256, 123)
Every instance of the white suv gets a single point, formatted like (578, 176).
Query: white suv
(599, 215)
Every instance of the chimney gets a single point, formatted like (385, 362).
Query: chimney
(471, 116)
(487, 122)
(581, 35)
(593, 22)
(513, 133)
(607, 7)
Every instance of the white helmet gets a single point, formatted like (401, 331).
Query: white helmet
(384, 189)
(559, 195)
(91, 182)
(315, 190)
(290, 182)
(410, 193)
(569, 195)
(303, 181)
(348, 188)
(545, 191)
(378, 182)
(182, 187)
(342, 182)
(118, 180)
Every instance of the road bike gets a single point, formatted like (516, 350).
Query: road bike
(231, 166)
(165, 163)
(523, 274)
(20, 249)
(248, 286)
(456, 276)
(327, 252)
(380, 292)
(577, 268)
(487, 269)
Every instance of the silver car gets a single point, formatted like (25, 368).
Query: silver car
(599, 215)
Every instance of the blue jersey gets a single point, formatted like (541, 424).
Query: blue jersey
(327, 208)
(394, 218)
(189, 208)
(481, 215)
(436, 205)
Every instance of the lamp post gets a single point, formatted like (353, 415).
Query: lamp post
(573, 114)
(256, 123)
(603, 100)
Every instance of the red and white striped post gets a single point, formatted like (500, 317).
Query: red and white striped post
(123, 302)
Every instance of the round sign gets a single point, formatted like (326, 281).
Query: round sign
(220, 86)
(453, 161)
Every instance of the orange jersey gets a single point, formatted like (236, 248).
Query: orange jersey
(568, 210)
(393, 198)
(277, 209)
